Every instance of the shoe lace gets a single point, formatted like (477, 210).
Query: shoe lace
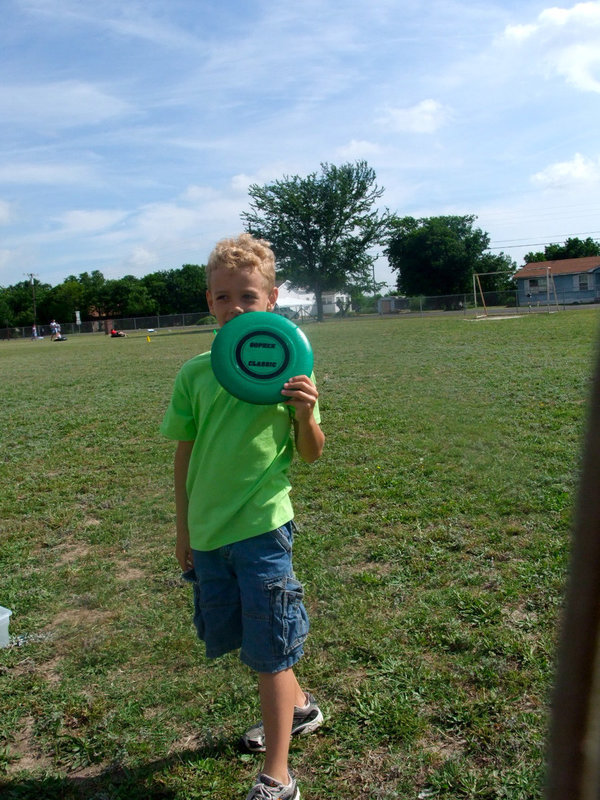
(261, 792)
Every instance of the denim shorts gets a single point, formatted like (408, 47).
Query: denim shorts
(246, 596)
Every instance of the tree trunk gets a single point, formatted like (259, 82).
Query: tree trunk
(319, 304)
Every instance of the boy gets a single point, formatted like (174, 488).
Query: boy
(234, 516)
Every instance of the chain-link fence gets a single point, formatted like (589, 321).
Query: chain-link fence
(492, 303)
(104, 326)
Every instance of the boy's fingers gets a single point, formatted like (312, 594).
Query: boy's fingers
(301, 382)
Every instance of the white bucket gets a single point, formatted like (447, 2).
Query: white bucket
(4, 620)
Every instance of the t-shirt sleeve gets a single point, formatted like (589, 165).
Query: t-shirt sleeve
(179, 422)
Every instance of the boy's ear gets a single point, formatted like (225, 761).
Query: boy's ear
(273, 295)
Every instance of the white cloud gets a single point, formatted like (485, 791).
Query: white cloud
(562, 41)
(242, 182)
(520, 32)
(132, 20)
(198, 194)
(5, 258)
(54, 174)
(584, 13)
(270, 173)
(358, 149)
(60, 105)
(83, 222)
(142, 258)
(579, 170)
(578, 63)
(6, 212)
(425, 117)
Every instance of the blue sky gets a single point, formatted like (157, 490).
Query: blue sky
(131, 130)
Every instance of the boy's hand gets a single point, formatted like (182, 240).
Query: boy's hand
(302, 394)
(183, 552)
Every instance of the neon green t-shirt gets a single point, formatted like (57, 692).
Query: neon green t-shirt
(237, 481)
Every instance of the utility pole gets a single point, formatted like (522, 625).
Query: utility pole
(30, 275)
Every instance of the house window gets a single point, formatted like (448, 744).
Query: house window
(584, 282)
(537, 285)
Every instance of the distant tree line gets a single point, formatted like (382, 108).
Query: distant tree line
(173, 291)
(572, 248)
(326, 234)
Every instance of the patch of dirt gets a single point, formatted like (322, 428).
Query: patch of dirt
(521, 620)
(125, 572)
(92, 771)
(374, 769)
(24, 750)
(379, 569)
(48, 670)
(191, 741)
(81, 618)
(71, 552)
(444, 748)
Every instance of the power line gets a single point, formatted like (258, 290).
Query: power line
(558, 236)
(523, 243)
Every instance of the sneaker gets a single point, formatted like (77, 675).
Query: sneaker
(306, 720)
(266, 788)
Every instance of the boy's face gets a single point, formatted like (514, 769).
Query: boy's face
(235, 291)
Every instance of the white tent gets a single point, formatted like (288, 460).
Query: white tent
(296, 299)
(303, 302)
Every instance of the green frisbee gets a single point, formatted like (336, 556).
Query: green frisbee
(255, 353)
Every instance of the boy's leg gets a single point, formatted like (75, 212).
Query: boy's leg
(279, 693)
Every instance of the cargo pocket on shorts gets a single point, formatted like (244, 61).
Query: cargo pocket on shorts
(190, 577)
(283, 536)
(290, 620)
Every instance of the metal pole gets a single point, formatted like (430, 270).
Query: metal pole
(32, 281)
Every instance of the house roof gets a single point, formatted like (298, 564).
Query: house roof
(566, 266)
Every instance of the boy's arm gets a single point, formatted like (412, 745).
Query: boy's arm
(302, 394)
(183, 552)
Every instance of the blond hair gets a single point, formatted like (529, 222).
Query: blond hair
(243, 252)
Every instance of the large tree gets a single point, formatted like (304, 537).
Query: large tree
(572, 248)
(438, 255)
(178, 291)
(496, 272)
(5, 310)
(62, 301)
(92, 285)
(19, 302)
(323, 227)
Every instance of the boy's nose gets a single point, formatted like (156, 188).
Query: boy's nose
(235, 312)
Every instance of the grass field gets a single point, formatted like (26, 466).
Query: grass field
(433, 547)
